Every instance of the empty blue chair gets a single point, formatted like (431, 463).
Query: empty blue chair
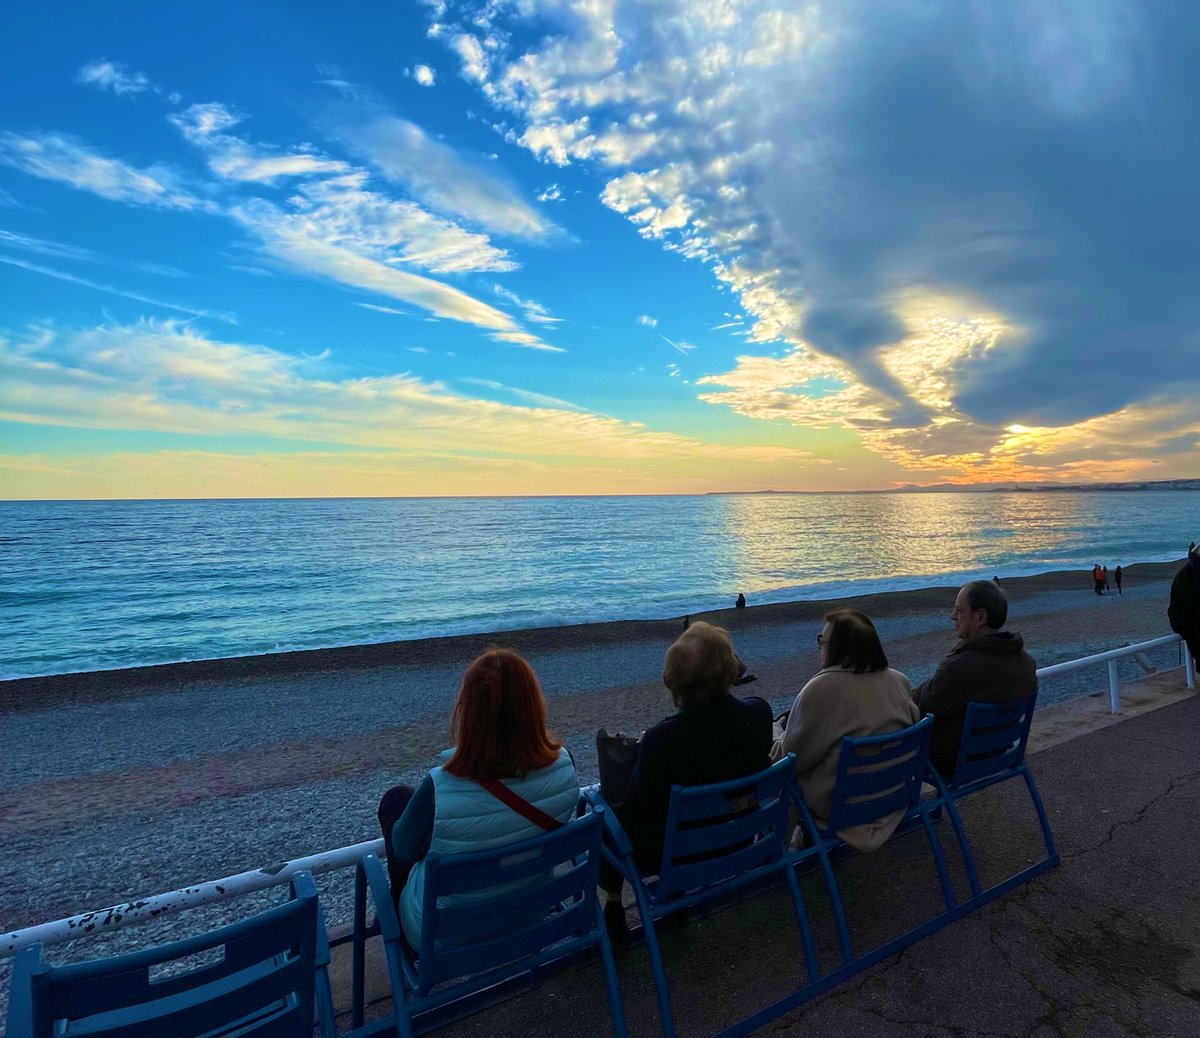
(992, 750)
(720, 838)
(264, 984)
(540, 905)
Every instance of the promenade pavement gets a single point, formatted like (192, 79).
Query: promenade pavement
(1107, 944)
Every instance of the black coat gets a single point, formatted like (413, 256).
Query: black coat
(1183, 613)
(711, 741)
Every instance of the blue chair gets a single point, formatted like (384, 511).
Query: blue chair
(720, 839)
(992, 750)
(877, 775)
(271, 973)
(530, 904)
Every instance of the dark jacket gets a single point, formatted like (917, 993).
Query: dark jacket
(706, 742)
(993, 668)
(1183, 613)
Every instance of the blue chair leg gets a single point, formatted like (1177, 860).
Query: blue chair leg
(835, 899)
(1047, 835)
(806, 937)
(615, 1005)
(654, 950)
(964, 846)
(358, 947)
(940, 860)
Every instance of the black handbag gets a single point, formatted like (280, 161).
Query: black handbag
(616, 756)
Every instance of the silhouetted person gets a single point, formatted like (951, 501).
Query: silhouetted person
(1117, 578)
(996, 581)
(1098, 578)
(687, 622)
(741, 601)
(1183, 614)
(1104, 575)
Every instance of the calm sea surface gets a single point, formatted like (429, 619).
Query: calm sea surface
(89, 585)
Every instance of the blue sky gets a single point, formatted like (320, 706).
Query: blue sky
(286, 249)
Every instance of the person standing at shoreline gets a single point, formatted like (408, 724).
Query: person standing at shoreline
(1104, 576)
(1098, 578)
(988, 665)
(1117, 578)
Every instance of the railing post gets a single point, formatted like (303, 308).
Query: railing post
(1114, 688)
(1189, 662)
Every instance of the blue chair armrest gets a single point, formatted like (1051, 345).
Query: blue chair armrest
(20, 1002)
(614, 831)
(381, 896)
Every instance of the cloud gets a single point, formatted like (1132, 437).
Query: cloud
(233, 158)
(382, 309)
(62, 275)
(424, 75)
(108, 75)
(164, 376)
(1017, 163)
(67, 160)
(648, 321)
(58, 250)
(437, 175)
(553, 193)
(534, 311)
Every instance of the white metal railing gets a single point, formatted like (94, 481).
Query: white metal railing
(105, 920)
(1111, 656)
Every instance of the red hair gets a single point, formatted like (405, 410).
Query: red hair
(499, 720)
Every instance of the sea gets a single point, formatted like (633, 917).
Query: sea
(90, 585)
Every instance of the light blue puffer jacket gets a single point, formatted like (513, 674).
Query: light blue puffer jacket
(466, 817)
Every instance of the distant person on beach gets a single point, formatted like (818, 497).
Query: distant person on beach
(1117, 578)
(713, 736)
(1184, 611)
(854, 693)
(741, 601)
(500, 740)
(988, 665)
(1098, 578)
(1104, 577)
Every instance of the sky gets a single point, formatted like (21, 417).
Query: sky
(599, 247)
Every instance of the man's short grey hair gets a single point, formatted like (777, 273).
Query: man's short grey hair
(985, 595)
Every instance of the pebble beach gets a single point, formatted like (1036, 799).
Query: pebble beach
(123, 784)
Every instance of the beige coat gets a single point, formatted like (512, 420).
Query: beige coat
(836, 703)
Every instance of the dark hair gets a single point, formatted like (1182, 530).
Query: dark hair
(853, 642)
(499, 720)
(983, 594)
(701, 665)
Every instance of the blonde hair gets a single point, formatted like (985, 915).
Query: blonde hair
(701, 665)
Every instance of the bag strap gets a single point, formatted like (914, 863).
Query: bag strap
(519, 804)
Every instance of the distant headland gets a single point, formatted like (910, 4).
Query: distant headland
(995, 488)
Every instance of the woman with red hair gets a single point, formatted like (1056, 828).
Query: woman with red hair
(506, 779)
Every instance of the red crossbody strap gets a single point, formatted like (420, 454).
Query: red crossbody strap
(519, 804)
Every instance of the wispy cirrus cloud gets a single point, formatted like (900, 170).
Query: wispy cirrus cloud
(62, 275)
(436, 174)
(111, 75)
(168, 377)
(67, 160)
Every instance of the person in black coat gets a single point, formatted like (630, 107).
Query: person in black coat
(1183, 613)
(713, 737)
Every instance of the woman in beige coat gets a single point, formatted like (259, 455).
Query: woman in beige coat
(855, 693)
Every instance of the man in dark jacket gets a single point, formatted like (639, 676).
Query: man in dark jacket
(1183, 613)
(988, 665)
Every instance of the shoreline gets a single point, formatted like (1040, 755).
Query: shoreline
(75, 687)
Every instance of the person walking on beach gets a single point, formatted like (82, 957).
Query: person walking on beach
(1098, 578)
(1117, 578)
(1183, 613)
(988, 665)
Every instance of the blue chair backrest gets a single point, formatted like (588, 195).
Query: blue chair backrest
(879, 774)
(526, 897)
(718, 831)
(994, 737)
(264, 983)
